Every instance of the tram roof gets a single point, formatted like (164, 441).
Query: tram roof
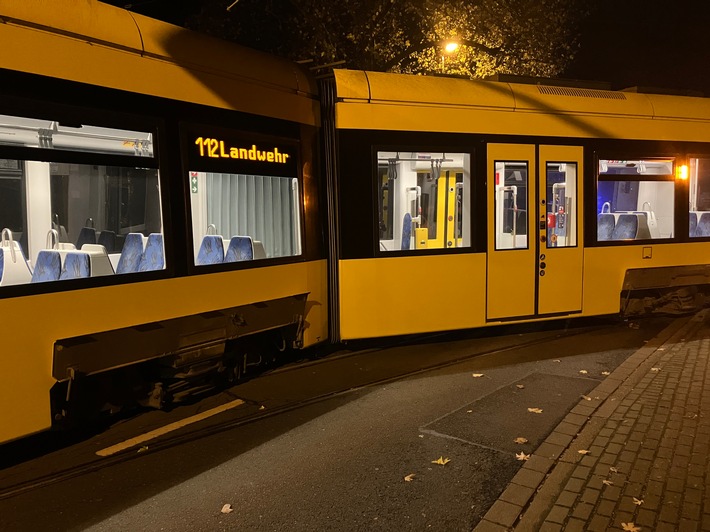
(404, 89)
(67, 30)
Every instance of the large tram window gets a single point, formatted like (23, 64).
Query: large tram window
(699, 215)
(635, 199)
(511, 199)
(68, 220)
(423, 200)
(561, 201)
(238, 217)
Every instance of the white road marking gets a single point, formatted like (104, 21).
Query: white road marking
(108, 451)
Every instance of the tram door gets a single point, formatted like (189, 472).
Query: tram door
(534, 249)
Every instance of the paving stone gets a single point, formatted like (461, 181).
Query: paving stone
(516, 494)
(503, 513)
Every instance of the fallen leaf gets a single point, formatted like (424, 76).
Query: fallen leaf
(605, 373)
(556, 360)
(142, 449)
(583, 371)
(520, 386)
(637, 502)
(630, 527)
(586, 398)
(409, 477)
(607, 482)
(613, 470)
(421, 435)
(441, 461)
(469, 411)
(656, 369)
(535, 410)
(227, 509)
(522, 456)
(262, 407)
(520, 440)
(584, 451)
(476, 375)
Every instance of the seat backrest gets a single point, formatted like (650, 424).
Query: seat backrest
(2, 262)
(211, 250)
(77, 265)
(605, 226)
(644, 232)
(407, 231)
(48, 266)
(108, 240)
(240, 248)
(692, 223)
(131, 254)
(87, 235)
(153, 257)
(626, 227)
(703, 228)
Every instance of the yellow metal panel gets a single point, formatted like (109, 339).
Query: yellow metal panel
(560, 289)
(680, 107)
(34, 323)
(405, 295)
(605, 267)
(352, 84)
(511, 272)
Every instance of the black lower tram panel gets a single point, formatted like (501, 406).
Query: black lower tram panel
(161, 363)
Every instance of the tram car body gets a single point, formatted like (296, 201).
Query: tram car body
(159, 211)
(468, 203)
(174, 208)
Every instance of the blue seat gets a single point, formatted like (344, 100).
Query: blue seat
(605, 226)
(211, 251)
(108, 240)
(77, 265)
(87, 235)
(692, 223)
(240, 248)
(48, 266)
(2, 263)
(627, 227)
(153, 257)
(703, 228)
(130, 254)
(407, 231)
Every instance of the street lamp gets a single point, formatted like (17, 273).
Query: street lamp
(449, 48)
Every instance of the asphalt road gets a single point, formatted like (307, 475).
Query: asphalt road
(339, 462)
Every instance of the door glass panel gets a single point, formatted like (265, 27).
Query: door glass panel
(511, 199)
(699, 215)
(561, 201)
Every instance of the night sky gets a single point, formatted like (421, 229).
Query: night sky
(645, 43)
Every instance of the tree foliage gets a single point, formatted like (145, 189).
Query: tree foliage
(523, 37)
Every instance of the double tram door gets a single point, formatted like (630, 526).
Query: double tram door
(535, 253)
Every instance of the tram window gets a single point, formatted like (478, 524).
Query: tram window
(635, 199)
(699, 185)
(510, 200)
(68, 220)
(561, 201)
(423, 200)
(252, 216)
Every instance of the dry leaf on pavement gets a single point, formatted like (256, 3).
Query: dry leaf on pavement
(227, 509)
(584, 451)
(637, 502)
(583, 371)
(441, 461)
(630, 527)
(586, 398)
(605, 373)
(522, 456)
(535, 410)
(520, 386)
(613, 470)
(607, 482)
(409, 477)
(656, 369)
(520, 439)
(476, 375)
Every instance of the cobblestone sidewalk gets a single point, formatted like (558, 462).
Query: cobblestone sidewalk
(644, 440)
